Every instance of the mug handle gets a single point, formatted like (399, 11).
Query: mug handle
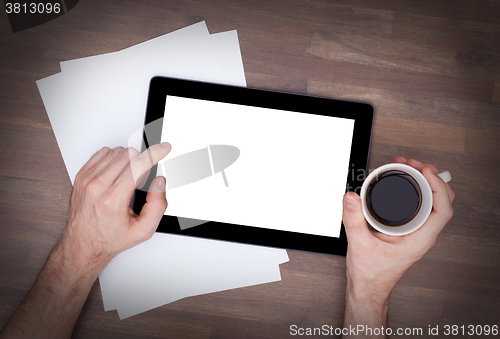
(445, 176)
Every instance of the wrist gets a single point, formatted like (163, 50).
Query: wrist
(81, 250)
(366, 306)
(55, 300)
(369, 290)
(76, 259)
(367, 297)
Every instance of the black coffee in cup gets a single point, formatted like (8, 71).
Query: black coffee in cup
(393, 198)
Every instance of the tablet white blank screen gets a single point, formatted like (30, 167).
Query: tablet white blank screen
(291, 173)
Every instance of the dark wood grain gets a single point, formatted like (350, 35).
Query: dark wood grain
(430, 68)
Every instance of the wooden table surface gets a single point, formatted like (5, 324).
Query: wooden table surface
(430, 68)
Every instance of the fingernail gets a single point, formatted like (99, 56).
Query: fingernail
(416, 162)
(162, 184)
(403, 158)
(350, 203)
(166, 144)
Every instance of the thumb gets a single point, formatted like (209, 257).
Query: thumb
(153, 209)
(353, 218)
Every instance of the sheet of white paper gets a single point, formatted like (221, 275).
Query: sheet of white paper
(150, 286)
(228, 52)
(76, 98)
(171, 255)
(100, 101)
(173, 40)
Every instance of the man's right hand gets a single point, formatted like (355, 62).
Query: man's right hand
(376, 261)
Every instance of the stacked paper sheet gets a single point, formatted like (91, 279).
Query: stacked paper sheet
(100, 101)
(168, 268)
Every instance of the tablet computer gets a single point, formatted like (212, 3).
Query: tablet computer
(256, 166)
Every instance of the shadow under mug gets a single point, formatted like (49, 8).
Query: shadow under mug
(426, 199)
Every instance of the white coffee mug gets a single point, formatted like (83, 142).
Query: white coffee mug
(426, 199)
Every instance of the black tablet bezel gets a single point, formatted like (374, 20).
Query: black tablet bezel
(361, 113)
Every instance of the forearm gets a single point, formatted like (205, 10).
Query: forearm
(52, 306)
(366, 311)
(100, 225)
